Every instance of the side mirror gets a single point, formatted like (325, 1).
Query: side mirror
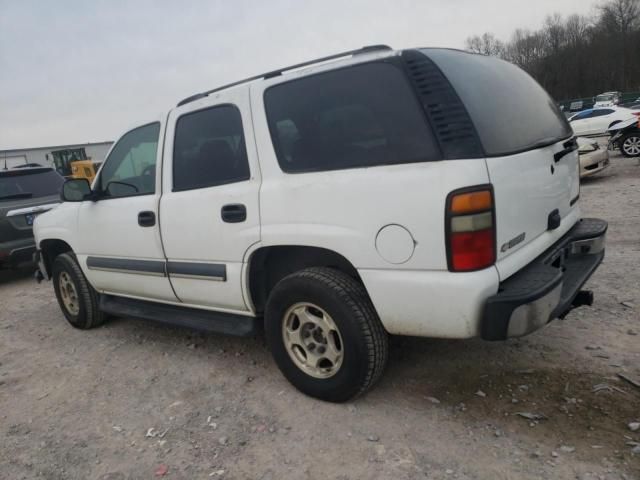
(75, 190)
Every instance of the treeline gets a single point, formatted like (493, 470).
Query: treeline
(576, 56)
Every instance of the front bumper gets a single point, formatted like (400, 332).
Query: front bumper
(592, 163)
(547, 288)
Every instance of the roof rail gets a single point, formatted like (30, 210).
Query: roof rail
(275, 73)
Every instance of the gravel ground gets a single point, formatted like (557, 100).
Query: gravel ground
(135, 400)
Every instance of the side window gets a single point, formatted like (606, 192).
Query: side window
(130, 168)
(603, 112)
(583, 115)
(359, 116)
(209, 149)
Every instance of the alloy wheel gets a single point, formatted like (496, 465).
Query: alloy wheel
(69, 293)
(631, 146)
(312, 340)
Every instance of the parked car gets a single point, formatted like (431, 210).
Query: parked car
(576, 106)
(626, 137)
(377, 192)
(24, 193)
(596, 121)
(607, 99)
(593, 158)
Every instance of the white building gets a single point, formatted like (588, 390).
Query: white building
(44, 155)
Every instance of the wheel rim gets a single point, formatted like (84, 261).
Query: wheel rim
(68, 293)
(312, 340)
(631, 146)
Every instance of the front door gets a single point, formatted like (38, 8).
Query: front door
(120, 248)
(209, 209)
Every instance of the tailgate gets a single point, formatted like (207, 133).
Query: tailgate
(535, 200)
(17, 216)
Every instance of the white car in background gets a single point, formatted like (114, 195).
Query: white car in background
(596, 121)
(607, 99)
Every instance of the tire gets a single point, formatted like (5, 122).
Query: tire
(79, 304)
(630, 145)
(359, 336)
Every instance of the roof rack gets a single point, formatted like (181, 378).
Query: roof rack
(275, 73)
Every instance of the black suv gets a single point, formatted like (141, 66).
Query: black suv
(24, 193)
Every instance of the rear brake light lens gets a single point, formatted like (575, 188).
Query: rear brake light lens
(470, 230)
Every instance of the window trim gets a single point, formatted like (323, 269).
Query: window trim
(394, 62)
(98, 181)
(173, 150)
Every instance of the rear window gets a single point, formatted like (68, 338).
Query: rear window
(358, 116)
(29, 184)
(510, 110)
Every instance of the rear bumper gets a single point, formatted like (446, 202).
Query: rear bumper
(17, 252)
(548, 287)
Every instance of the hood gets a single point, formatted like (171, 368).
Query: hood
(586, 145)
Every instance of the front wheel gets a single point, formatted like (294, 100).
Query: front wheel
(76, 297)
(325, 334)
(630, 145)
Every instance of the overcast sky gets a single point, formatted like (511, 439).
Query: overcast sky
(82, 71)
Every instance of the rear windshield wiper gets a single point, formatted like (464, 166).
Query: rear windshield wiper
(16, 195)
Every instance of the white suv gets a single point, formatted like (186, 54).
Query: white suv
(333, 203)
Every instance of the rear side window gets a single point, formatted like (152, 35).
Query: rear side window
(510, 110)
(359, 116)
(209, 149)
(602, 112)
(582, 115)
(27, 183)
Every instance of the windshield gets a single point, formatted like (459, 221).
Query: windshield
(510, 110)
(29, 184)
(604, 98)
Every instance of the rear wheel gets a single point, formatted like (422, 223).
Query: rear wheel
(325, 335)
(76, 297)
(630, 145)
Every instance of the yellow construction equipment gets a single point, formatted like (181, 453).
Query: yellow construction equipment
(74, 163)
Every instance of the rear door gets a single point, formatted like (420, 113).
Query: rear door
(209, 209)
(600, 121)
(531, 157)
(582, 123)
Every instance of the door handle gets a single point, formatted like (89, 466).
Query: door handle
(234, 213)
(146, 219)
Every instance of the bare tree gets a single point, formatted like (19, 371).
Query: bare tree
(487, 44)
(576, 56)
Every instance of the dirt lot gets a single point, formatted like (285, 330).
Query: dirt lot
(132, 399)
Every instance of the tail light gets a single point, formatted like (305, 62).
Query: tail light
(470, 229)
